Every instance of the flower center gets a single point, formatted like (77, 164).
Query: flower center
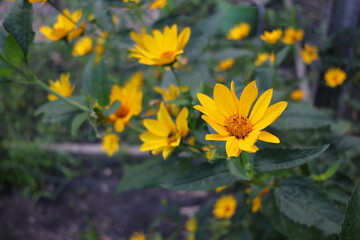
(122, 112)
(173, 136)
(238, 126)
(167, 55)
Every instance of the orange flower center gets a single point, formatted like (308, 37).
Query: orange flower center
(238, 126)
(122, 112)
(167, 55)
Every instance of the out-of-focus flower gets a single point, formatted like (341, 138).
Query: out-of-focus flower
(219, 78)
(225, 65)
(172, 93)
(220, 189)
(309, 53)
(110, 144)
(135, 1)
(292, 35)
(62, 86)
(231, 118)
(158, 4)
(82, 46)
(225, 207)
(210, 152)
(297, 95)
(256, 202)
(272, 37)
(239, 31)
(263, 57)
(163, 134)
(99, 46)
(334, 77)
(66, 26)
(159, 48)
(191, 225)
(137, 235)
(35, 1)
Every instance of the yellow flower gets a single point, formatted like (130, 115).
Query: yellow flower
(135, 1)
(110, 144)
(239, 32)
(130, 97)
(158, 4)
(191, 225)
(230, 117)
(220, 189)
(225, 65)
(271, 37)
(219, 78)
(99, 47)
(309, 53)
(65, 27)
(163, 134)
(82, 46)
(137, 235)
(225, 207)
(297, 95)
(35, 1)
(334, 77)
(292, 35)
(172, 93)
(263, 57)
(159, 48)
(62, 87)
(256, 202)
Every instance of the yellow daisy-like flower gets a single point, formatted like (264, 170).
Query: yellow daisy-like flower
(159, 48)
(297, 95)
(292, 35)
(61, 86)
(263, 57)
(163, 134)
(225, 207)
(191, 225)
(158, 4)
(225, 65)
(110, 144)
(65, 27)
(272, 37)
(172, 93)
(82, 46)
(231, 118)
(137, 236)
(239, 32)
(334, 77)
(130, 97)
(309, 53)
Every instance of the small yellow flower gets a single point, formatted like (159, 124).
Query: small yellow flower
(292, 35)
(135, 1)
(220, 189)
(225, 207)
(62, 87)
(272, 37)
(159, 48)
(309, 53)
(191, 225)
(297, 95)
(137, 235)
(158, 4)
(239, 32)
(163, 134)
(110, 144)
(231, 118)
(334, 77)
(225, 65)
(82, 47)
(172, 93)
(256, 202)
(263, 57)
(65, 26)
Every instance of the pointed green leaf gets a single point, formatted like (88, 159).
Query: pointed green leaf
(281, 55)
(77, 122)
(13, 51)
(112, 109)
(103, 16)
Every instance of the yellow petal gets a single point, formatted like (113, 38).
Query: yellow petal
(268, 137)
(167, 151)
(183, 38)
(156, 127)
(224, 101)
(217, 127)
(271, 114)
(216, 137)
(164, 118)
(232, 149)
(261, 106)
(214, 115)
(248, 98)
(119, 125)
(147, 146)
(181, 122)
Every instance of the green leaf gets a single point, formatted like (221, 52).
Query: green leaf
(273, 159)
(350, 229)
(103, 16)
(300, 200)
(205, 176)
(18, 22)
(179, 101)
(264, 77)
(77, 122)
(241, 167)
(87, 76)
(112, 109)
(153, 172)
(330, 171)
(6, 72)
(281, 55)
(13, 51)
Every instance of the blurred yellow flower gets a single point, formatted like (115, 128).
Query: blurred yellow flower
(297, 95)
(292, 35)
(61, 86)
(99, 46)
(172, 93)
(231, 118)
(137, 235)
(159, 48)
(191, 225)
(309, 53)
(135, 1)
(225, 65)
(263, 57)
(220, 189)
(65, 26)
(82, 46)
(219, 78)
(163, 134)
(272, 37)
(225, 207)
(158, 4)
(110, 144)
(35, 1)
(239, 32)
(334, 77)
(256, 202)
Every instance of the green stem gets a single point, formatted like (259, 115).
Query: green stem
(136, 129)
(175, 75)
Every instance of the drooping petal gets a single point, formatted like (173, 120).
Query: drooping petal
(167, 152)
(261, 106)
(268, 137)
(231, 146)
(271, 114)
(247, 98)
(181, 122)
(183, 38)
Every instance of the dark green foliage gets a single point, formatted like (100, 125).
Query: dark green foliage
(351, 224)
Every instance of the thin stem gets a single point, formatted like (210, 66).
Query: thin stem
(136, 129)
(175, 75)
